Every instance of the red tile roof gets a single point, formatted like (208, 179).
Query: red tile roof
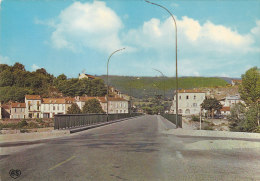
(18, 105)
(86, 98)
(33, 97)
(6, 106)
(53, 101)
(225, 109)
(190, 91)
(237, 80)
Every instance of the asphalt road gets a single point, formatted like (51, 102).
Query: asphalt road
(131, 150)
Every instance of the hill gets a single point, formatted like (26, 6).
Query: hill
(149, 86)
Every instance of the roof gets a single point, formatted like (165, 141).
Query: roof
(190, 91)
(103, 99)
(18, 105)
(6, 106)
(33, 97)
(70, 99)
(53, 101)
(90, 76)
(86, 98)
(233, 97)
(236, 80)
(225, 109)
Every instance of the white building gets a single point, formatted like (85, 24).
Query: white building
(52, 106)
(230, 101)
(33, 106)
(115, 105)
(80, 101)
(189, 102)
(86, 76)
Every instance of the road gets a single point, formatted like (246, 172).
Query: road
(135, 149)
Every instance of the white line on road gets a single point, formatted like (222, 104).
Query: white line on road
(59, 164)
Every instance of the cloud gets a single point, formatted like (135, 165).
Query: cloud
(4, 60)
(34, 67)
(203, 48)
(87, 25)
(192, 35)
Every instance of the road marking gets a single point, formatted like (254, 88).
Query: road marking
(59, 164)
(179, 155)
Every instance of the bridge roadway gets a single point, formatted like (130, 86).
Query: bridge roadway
(135, 149)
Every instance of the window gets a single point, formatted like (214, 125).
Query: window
(187, 97)
(180, 111)
(14, 109)
(194, 104)
(187, 111)
(53, 108)
(58, 107)
(194, 97)
(179, 97)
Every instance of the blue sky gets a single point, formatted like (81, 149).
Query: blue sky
(215, 38)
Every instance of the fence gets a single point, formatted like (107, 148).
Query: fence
(172, 118)
(63, 121)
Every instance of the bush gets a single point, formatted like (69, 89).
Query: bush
(195, 118)
(22, 124)
(33, 125)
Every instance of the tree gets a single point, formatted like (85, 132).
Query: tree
(92, 106)
(211, 104)
(74, 109)
(250, 87)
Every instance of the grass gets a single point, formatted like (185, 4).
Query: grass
(147, 86)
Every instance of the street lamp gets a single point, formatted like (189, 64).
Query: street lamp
(163, 81)
(176, 56)
(107, 77)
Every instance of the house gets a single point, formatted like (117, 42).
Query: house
(80, 101)
(230, 101)
(52, 106)
(225, 111)
(33, 106)
(236, 82)
(115, 105)
(17, 110)
(6, 110)
(87, 76)
(189, 102)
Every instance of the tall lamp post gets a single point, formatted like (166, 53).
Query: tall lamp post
(163, 81)
(107, 77)
(176, 56)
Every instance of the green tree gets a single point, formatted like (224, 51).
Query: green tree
(250, 87)
(92, 106)
(211, 104)
(74, 109)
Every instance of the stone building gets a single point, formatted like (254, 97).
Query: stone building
(17, 110)
(189, 102)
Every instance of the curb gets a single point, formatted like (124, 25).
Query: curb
(214, 134)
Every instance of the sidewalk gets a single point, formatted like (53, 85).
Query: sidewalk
(216, 134)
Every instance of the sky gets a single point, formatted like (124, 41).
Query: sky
(215, 37)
